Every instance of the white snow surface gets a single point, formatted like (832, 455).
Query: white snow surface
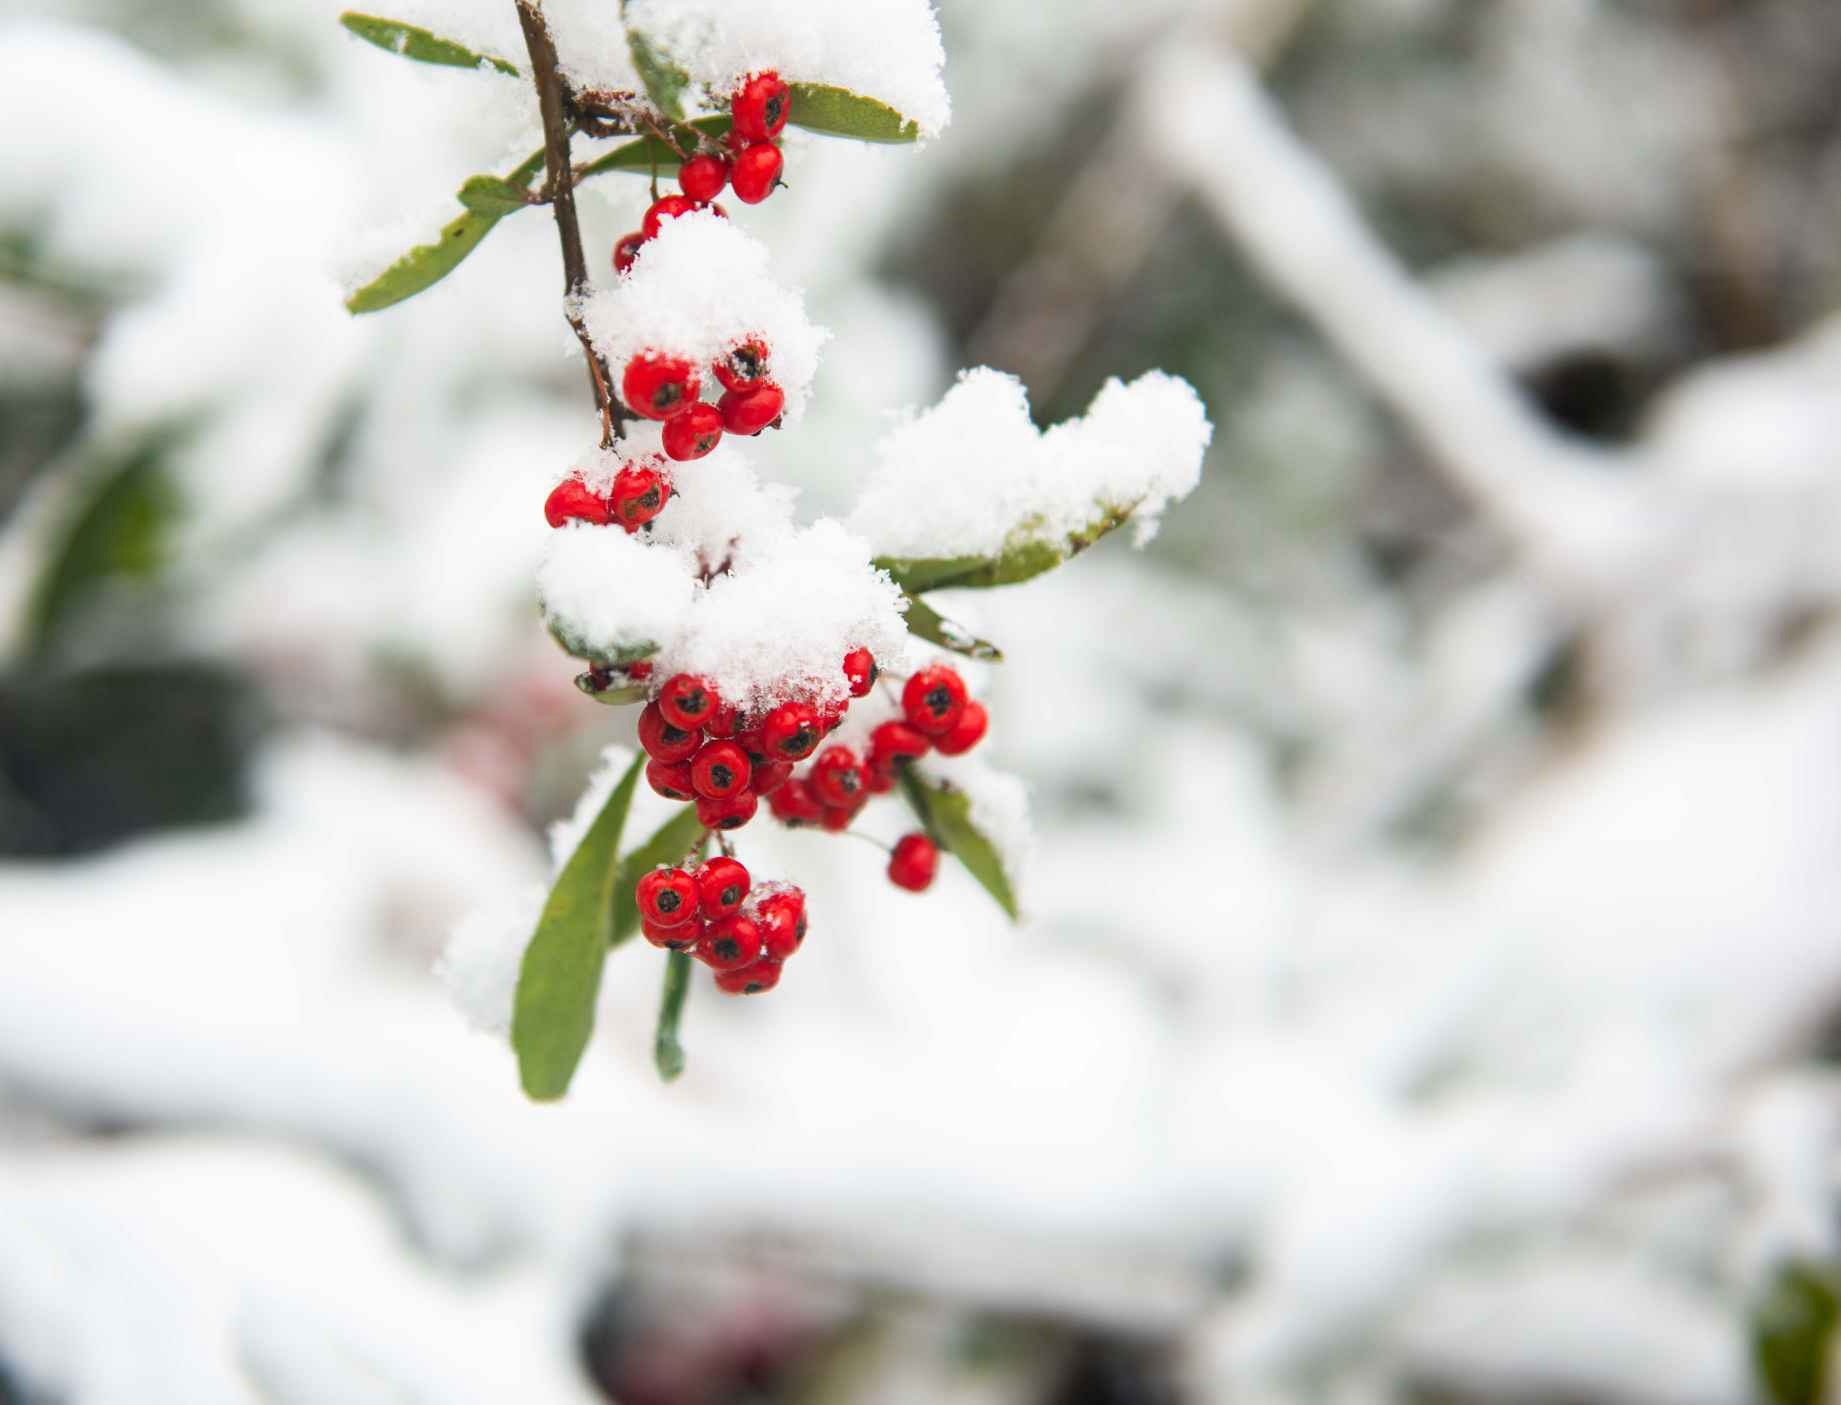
(696, 290)
(973, 476)
(889, 50)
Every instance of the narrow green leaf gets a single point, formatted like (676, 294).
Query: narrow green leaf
(1027, 557)
(929, 624)
(414, 42)
(427, 264)
(492, 195)
(1793, 1333)
(838, 112)
(553, 1013)
(668, 844)
(667, 1052)
(665, 81)
(120, 527)
(946, 814)
(649, 153)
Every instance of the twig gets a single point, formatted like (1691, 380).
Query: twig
(552, 105)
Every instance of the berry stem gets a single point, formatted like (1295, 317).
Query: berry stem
(667, 1051)
(551, 105)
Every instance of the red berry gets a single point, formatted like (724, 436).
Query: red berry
(756, 978)
(895, 744)
(670, 779)
(743, 367)
(781, 917)
(694, 433)
(639, 670)
(835, 819)
(769, 776)
(627, 250)
(831, 716)
(719, 770)
(877, 782)
(680, 938)
(687, 702)
(722, 886)
(666, 207)
(639, 495)
(756, 172)
(729, 943)
(933, 699)
(663, 741)
(967, 732)
(730, 812)
(659, 387)
(860, 671)
(915, 860)
(793, 804)
(666, 897)
(791, 731)
(837, 777)
(751, 411)
(573, 500)
(703, 177)
(750, 740)
(761, 106)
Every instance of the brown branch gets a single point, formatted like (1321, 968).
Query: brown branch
(552, 105)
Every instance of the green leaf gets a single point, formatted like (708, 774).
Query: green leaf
(1793, 1332)
(414, 42)
(609, 694)
(649, 153)
(1027, 556)
(120, 526)
(427, 264)
(945, 812)
(929, 624)
(665, 81)
(668, 845)
(667, 1052)
(838, 112)
(553, 1014)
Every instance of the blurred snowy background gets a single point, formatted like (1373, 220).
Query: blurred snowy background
(1433, 992)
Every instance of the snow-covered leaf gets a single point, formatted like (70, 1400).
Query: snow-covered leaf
(1027, 558)
(553, 1014)
(667, 1050)
(649, 154)
(669, 843)
(945, 812)
(1793, 1333)
(612, 658)
(414, 42)
(838, 112)
(427, 264)
(928, 623)
(665, 81)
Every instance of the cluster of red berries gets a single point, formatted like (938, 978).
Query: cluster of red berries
(741, 932)
(638, 493)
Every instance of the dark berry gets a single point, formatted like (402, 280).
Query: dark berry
(915, 860)
(729, 943)
(703, 177)
(756, 978)
(662, 741)
(791, 731)
(793, 803)
(756, 172)
(687, 701)
(719, 770)
(694, 433)
(781, 917)
(666, 207)
(751, 411)
(659, 387)
(573, 501)
(760, 107)
(730, 812)
(722, 886)
(639, 495)
(967, 732)
(670, 779)
(666, 897)
(895, 744)
(744, 367)
(836, 777)
(933, 699)
(860, 671)
(627, 250)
